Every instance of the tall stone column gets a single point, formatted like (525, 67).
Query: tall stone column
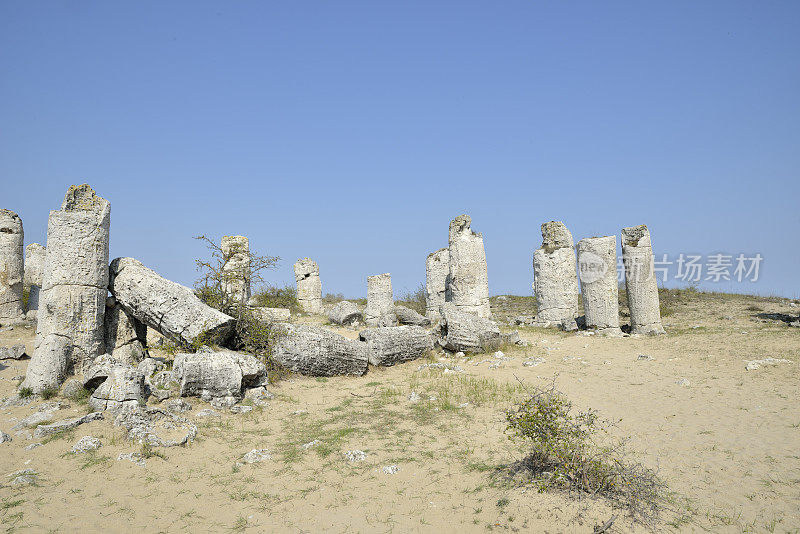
(555, 279)
(309, 285)
(437, 271)
(11, 266)
(35, 255)
(597, 267)
(236, 251)
(380, 300)
(70, 332)
(468, 279)
(640, 281)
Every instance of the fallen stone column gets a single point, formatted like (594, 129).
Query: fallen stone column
(126, 337)
(437, 272)
(640, 281)
(380, 301)
(597, 266)
(468, 279)
(466, 332)
(554, 275)
(11, 266)
(222, 374)
(410, 317)
(314, 351)
(165, 306)
(309, 285)
(388, 346)
(70, 332)
(236, 271)
(345, 313)
(270, 315)
(35, 255)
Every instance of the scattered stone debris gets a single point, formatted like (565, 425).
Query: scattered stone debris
(157, 427)
(224, 403)
(134, 457)
(86, 444)
(312, 444)
(752, 365)
(644, 358)
(257, 455)
(241, 408)
(4, 438)
(25, 477)
(683, 382)
(533, 362)
(14, 352)
(178, 406)
(443, 366)
(259, 396)
(414, 396)
(32, 446)
(208, 412)
(390, 469)
(65, 424)
(355, 455)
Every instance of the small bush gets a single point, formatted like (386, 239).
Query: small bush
(416, 300)
(25, 392)
(278, 297)
(565, 455)
(49, 393)
(333, 298)
(80, 395)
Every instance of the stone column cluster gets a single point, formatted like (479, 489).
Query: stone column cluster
(11, 266)
(236, 252)
(309, 286)
(70, 332)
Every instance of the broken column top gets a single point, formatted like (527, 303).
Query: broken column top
(438, 255)
(231, 241)
(636, 236)
(83, 198)
(305, 267)
(555, 235)
(10, 223)
(461, 225)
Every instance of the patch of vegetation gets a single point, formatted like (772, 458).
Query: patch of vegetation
(148, 451)
(80, 396)
(49, 393)
(565, 453)
(415, 299)
(24, 393)
(26, 297)
(278, 297)
(333, 298)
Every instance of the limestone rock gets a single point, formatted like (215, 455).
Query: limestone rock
(11, 265)
(641, 284)
(122, 390)
(468, 281)
(314, 351)
(461, 331)
(597, 266)
(437, 273)
(380, 300)
(236, 270)
(211, 375)
(35, 255)
(86, 444)
(345, 313)
(165, 306)
(5, 438)
(270, 315)
(388, 346)
(70, 332)
(309, 285)
(65, 424)
(410, 317)
(157, 427)
(126, 336)
(14, 352)
(555, 276)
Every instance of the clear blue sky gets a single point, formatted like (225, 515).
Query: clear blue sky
(352, 132)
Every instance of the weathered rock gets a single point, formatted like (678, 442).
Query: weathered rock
(309, 286)
(597, 266)
(380, 300)
(99, 371)
(314, 351)
(388, 346)
(157, 427)
(178, 406)
(437, 273)
(71, 388)
(65, 424)
(211, 375)
(555, 278)
(408, 316)
(126, 336)
(165, 306)
(5, 438)
(271, 315)
(86, 444)
(236, 270)
(71, 315)
(257, 455)
(345, 313)
(122, 390)
(12, 271)
(468, 279)
(461, 331)
(35, 255)
(14, 352)
(641, 284)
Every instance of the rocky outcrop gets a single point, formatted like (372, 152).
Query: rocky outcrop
(389, 346)
(641, 285)
(465, 332)
(11, 265)
(309, 285)
(165, 306)
(555, 277)
(468, 278)
(314, 351)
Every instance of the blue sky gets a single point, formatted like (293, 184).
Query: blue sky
(352, 132)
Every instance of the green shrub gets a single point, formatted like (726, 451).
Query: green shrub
(416, 300)
(25, 392)
(49, 393)
(278, 297)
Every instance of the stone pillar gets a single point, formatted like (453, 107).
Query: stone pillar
(126, 336)
(309, 286)
(597, 267)
(640, 281)
(437, 271)
(380, 301)
(555, 279)
(11, 266)
(236, 252)
(468, 278)
(70, 332)
(35, 255)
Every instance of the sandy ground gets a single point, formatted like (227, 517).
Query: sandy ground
(728, 444)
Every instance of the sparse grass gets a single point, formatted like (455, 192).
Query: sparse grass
(81, 395)
(92, 459)
(49, 393)
(148, 451)
(24, 393)
(278, 297)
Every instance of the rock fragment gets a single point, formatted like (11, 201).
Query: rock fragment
(12, 271)
(437, 273)
(461, 331)
(345, 313)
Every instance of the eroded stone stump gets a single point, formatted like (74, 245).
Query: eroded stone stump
(468, 278)
(555, 278)
(380, 300)
(236, 271)
(309, 285)
(35, 255)
(640, 281)
(437, 272)
(597, 268)
(70, 332)
(11, 265)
